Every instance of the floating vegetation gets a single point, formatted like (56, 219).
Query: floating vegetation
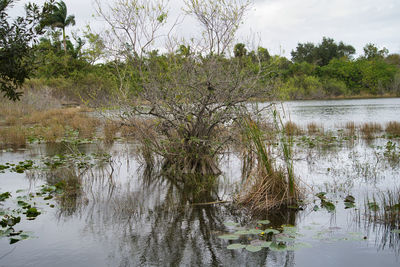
(284, 239)
(325, 203)
(24, 205)
(349, 202)
(334, 234)
(20, 167)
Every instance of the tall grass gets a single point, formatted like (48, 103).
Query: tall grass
(269, 185)
(384, 208)
(368, 130)
(393, 128)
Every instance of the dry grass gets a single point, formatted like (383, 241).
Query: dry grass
(267, 185)
(368, 130)
(263, 192)
(393, 128)
(49, 125)
(351, 128)
(110, 131)
(313, 128)
(14, 136)
(292, 128)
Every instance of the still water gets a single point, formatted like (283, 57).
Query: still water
(122, 217)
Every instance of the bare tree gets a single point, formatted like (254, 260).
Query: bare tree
(219, 19)
(188, 100)
(134, 25)
(194, 101)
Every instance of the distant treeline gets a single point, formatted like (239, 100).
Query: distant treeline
(82, 71)
(328, 70)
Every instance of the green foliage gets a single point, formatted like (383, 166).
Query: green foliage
(240, 50)
(373, 52)
(322, 53)
(15, 52)
(57, 18)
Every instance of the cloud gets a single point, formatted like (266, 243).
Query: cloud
(281, 24)
(287, 22)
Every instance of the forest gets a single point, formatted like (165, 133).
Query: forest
(79, 67)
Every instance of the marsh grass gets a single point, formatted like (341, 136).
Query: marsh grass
(393, 128)
(350, 127)
(110, 131)
(314, 129)
(369, 130)
(14, 136)
(268, 186)
(47, 125)
(292, 128)
(384, 208)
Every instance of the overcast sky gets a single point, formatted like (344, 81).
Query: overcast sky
(281, 24)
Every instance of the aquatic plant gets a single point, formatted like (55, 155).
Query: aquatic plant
(269, 185)
(384, 208)
(368, 130)
(393, 128)
(313, 128)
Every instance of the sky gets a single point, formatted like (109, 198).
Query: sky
(279, 25)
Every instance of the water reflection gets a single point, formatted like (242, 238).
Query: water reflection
(159, 221)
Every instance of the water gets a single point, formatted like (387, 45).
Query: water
(123, 218)
(334, 113)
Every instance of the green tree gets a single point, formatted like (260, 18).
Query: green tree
(263, 54)
(240, 50)
(323, 53)
(15, 51)
(371, 51)
(58, 18)
(304, 52)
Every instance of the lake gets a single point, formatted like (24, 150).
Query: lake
(118, 214)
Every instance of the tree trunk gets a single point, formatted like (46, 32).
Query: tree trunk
(64, 41)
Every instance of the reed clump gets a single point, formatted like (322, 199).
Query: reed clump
(268, 186)
(14, 136)
(313, 128)
(48, 125)
(110, 131)
(369, 130)
(292, 128)
(350, 127)
(384, 208)
(393, 128)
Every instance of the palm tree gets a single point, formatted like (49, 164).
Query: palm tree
(57, 18)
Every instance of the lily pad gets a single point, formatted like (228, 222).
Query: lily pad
(264, 222)
(273, 231)
(397, 231)
(236, 246)
(229, 237)
(242, 232)
(329, 206)
(349, 205)
(255, 231)
(284, 238)
(349, 198)
(231, 224)
(252, 248)
(278, 246)
(32, 212)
